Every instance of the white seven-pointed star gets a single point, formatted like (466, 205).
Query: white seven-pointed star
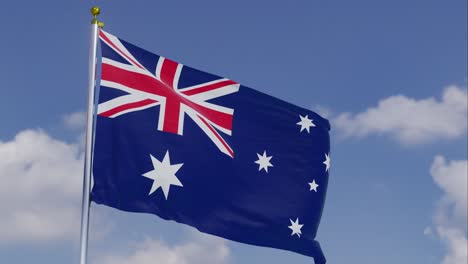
(264, 161)
(163, 174)
(305, 123)
(313, 186)
(327, 162)
(295, 227)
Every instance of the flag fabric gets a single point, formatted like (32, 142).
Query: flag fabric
(207, 152)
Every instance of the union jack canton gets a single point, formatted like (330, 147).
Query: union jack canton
(205, 151)
(147, 88)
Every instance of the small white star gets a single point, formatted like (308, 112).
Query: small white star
(327, 162)
(295, 227)
(305, 123)
(313, 186)
(264, 161)
(163, 174)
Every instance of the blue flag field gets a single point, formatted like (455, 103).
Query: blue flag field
(207, 152)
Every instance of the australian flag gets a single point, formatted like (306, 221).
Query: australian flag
(207, 152)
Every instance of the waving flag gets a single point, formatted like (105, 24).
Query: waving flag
(205, 151)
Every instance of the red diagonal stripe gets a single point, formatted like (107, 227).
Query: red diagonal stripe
(209, 87)
(128, 106)
(219, 118)
(231, 153)
(104, 37)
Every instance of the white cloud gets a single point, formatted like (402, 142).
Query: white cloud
(457, 245)
(40, 188)
(410, 120)
(427, 231)
(450, 218)
(201, 249)
(76, 120)
(452, 178)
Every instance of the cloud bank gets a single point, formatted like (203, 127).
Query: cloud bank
(450, 217)
(40, 188)
(409, 120)
(200, 249)
(40, 201)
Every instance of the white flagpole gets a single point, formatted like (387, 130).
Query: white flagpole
(95, 24)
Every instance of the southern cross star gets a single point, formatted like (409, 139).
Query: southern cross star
(327, 162)
(305, 123)
(296, 227)
(163, 174)
(264, 161)
(313, 186)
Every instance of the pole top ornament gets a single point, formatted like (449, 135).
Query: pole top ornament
(95, 11)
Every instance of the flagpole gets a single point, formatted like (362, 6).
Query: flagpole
(95, 24)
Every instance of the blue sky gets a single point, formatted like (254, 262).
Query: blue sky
(390, 75)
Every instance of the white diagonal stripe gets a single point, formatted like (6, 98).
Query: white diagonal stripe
(162, 111)
(222, 129)
(218, 108)
(116, 102)
(202, 85)
(204, 96)
(122, 48)
(131, 90)
(126, 67)
(159, 67)
(134, 109)
(190, 112)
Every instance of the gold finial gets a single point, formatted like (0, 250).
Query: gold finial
(95, 11)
